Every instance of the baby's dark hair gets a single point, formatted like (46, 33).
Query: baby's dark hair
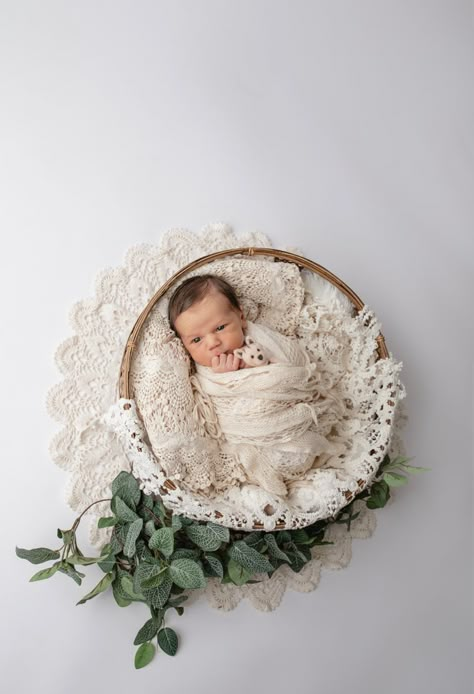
(193, 290)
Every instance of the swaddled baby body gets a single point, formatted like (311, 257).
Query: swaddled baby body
(267, 415)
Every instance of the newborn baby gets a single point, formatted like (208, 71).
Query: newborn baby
(267, 416)
(205, 313)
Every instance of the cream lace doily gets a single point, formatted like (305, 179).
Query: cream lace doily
(89, 363)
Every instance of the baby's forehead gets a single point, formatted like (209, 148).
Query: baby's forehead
(211, 308)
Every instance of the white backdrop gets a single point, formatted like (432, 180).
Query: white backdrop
(342, 128)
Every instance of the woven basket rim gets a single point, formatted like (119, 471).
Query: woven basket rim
(278, 255)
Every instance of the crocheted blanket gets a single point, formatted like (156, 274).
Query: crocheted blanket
(267, 417)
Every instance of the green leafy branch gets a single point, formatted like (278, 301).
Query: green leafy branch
(153, 556)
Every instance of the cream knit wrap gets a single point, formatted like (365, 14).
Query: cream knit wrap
(260, 413)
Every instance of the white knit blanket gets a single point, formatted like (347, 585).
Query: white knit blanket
(265, 411)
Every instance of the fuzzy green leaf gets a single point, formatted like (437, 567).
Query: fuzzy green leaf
(148, 631)
(106, 564)
(122, 511)
(168, 641)
(126, 487)
(237, 573)
(38, 555)
(208, 537)
(184, 553)
(157, 597)
(72, 573)
(187, 573)
(273, 550)
(249, 558)
(126, 584)
(99, 588)
(45, 573)
(155, 579)
(149, 528)
(144, 655)
(176, 523)
(132, 535)
(213, 566)
(120, 596)
(393, 479)
(414, 470)
(107, 522)
(163, 541)
(81, 560)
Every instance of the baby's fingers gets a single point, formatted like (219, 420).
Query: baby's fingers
(232, 362)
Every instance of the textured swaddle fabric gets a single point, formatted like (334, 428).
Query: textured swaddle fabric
(268, 415)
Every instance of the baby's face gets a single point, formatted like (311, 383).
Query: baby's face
(210, 328)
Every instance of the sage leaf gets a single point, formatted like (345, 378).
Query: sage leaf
(122, 511)
(175, 602)
(81, 560)
(184, 553)
(157, 597)
(187, 573)
(208, 537)
(213, 565)
(38, 555)
(106, 564)
(144, 655)
(237, 573)
(100, 587)
(148, 632)
(273, 550)
(412, 469)
(120, 597)
(249, 558)
(143, 571)
(154, 580)
(149, 528)
(128, 588)
(163, 541)
(45, 573)
(107, 522)
(393, 479)
(168, 641)
(176, 523)
(72, 573)
(126, 487)
(132, 535)
(253, 539)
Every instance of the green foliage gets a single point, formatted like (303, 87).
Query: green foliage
(144, 655)
(153, 556)
(163, 541)
(168, 641)
(46, 573)
(249, 558)
(148, 631)
(100, 587)
(187, 573)
(208, 537)
(37, 556)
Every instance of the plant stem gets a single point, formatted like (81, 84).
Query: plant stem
(78, 519)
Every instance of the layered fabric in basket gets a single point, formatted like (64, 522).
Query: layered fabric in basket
(174, 436)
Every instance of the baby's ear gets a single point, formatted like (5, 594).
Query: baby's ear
(249, 341)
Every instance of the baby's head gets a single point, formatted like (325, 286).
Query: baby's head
(205, 312)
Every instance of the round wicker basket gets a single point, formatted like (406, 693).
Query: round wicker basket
(278, 256)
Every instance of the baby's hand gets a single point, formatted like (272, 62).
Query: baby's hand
(224, 363)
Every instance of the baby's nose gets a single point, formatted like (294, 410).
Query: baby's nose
(213, 340)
